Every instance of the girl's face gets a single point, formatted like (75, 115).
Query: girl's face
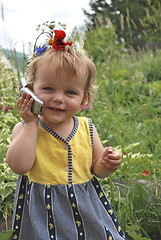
(63, 95)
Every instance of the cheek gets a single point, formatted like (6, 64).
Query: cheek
(74, 104)
(43, 97)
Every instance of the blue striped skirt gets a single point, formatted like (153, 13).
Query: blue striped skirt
(63, 212)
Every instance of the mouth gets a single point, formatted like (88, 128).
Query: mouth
(56, 109)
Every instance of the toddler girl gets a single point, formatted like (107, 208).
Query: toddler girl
(57, 155)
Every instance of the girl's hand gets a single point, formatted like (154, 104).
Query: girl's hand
(111, 160)
(24, 104)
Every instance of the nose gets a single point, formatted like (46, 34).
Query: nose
(58, 97)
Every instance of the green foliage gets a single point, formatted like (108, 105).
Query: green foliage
(6, 235)
(151, 22)
(135, 205)
(102, 44)
(137, 22)
(126, 113)
(8, 119)
(99, 8)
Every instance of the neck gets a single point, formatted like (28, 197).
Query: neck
(62, 128)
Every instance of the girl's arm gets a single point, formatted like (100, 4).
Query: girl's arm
(104, 161)
(21, 153)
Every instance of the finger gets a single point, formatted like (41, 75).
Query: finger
(22, 98)
(112, 162)
(24, 104)
(109, 149)
(20, 102)
(114, 155)
(109, 167)
(28, 96)
(115, 162)
(25, 99)
(29, 104)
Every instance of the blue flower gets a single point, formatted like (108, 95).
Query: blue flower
(40, 50)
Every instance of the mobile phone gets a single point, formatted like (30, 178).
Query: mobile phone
(37, 105)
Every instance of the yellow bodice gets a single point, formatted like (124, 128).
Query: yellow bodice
(52, 156)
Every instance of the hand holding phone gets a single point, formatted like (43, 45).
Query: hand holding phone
(37, 105)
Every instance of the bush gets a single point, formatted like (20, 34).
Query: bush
(8, 118)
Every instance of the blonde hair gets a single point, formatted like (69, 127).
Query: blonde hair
(73, 63)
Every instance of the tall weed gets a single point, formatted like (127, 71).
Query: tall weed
(8, 119)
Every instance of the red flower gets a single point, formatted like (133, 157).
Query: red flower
(8, 108)
(146, 173)
(58, 43)
(124, 153)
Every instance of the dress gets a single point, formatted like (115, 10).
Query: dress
(63, 201)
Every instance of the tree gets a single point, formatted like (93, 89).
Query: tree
(98, 7)
(127, 16)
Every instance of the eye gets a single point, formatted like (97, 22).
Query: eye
(71, 92)
(48, 88)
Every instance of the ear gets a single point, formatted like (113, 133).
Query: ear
(85, 98)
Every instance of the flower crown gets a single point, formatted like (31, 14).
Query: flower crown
(55, 40)
(57, 43)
